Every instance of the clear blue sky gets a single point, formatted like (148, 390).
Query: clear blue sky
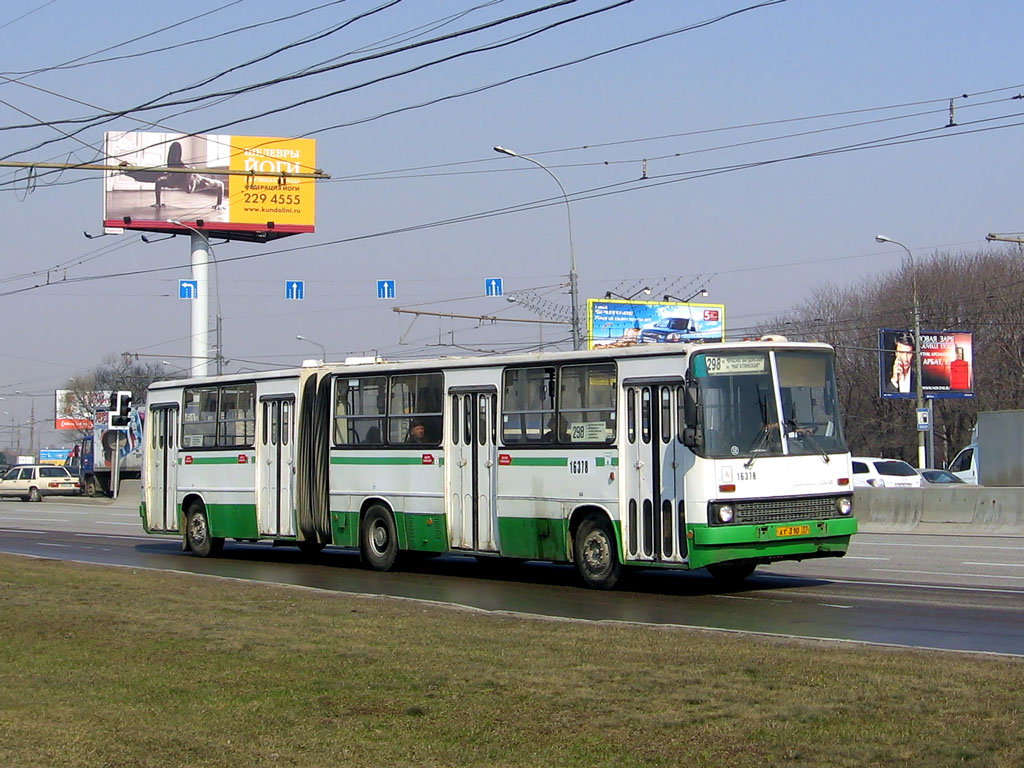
(761, 239)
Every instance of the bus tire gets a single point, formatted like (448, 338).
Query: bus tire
(731, 574)
(310, 547)
(596, 555)
(197, 532)
(378, 541)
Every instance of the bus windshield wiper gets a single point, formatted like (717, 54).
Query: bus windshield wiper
(804, 433)
(759, 443)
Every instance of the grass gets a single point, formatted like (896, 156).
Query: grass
(116, 667)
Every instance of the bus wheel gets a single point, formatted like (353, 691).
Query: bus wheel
(310, 547)
(197, 529)
(378, 543)
(597, 558)
(731, 574)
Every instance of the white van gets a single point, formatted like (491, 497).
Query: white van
(965, 464)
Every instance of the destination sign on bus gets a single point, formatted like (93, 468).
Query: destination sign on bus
(731, 365)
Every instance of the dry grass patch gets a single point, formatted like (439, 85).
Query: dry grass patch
(114, 667)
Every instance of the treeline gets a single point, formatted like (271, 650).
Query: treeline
(982, 292)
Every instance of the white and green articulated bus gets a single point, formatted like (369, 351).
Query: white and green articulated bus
(720, 456)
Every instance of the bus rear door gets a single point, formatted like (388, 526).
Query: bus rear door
(162, 469)
(471, 454)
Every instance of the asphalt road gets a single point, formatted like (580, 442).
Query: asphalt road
(963, 593)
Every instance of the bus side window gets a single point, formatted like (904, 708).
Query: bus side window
(529, 405)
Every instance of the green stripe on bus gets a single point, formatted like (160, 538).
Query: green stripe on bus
(377, 460)
(540, 461)
(600, 461)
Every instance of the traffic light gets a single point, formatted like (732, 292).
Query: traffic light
(120, 405)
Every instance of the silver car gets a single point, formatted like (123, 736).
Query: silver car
(31, 482)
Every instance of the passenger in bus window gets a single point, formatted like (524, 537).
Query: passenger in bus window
(417, 432)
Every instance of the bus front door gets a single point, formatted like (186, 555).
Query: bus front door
(652, 519)
(275, 456)
(162, 469)
(471, 454)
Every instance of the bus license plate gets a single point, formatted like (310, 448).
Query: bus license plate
(792, 530)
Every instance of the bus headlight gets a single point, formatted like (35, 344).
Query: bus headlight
(844, 506)
(724, 513)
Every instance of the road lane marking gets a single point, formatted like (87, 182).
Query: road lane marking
(37, 519)
(47, 544)
(932, 546)
(861, 557)
(834, 605)
(946, 573)
(999, 565)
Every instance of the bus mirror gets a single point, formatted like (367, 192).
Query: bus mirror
(693, 434)
(690, 405)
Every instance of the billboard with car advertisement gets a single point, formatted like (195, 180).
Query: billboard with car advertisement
(623, 323)
(174, 177)
(947, 363)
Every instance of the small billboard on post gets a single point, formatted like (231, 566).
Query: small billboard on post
(624, 323)
(238, 187)
(947, 364)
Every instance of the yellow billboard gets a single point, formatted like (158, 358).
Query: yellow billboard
(239, 187)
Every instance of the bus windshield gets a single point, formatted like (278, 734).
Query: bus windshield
(740, 405)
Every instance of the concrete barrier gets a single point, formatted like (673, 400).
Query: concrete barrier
(964, 509)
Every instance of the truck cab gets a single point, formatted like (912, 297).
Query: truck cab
(965, 464)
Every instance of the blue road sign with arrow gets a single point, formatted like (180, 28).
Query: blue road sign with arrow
(492, 286)
(385, 289)
(188, 289)
(294, 289)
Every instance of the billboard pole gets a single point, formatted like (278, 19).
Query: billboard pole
(922, 459)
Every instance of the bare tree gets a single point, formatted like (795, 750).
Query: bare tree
(979, 291)
(89, 392)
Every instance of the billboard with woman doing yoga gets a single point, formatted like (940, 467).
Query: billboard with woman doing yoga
(195, 179)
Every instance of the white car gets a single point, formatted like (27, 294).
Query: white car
(31, 482)
(884, 473)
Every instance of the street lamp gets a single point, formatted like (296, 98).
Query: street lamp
(574, 291)
(669, 297)
(200, 308)
(323, 350)
(609, 294)
(918, 384)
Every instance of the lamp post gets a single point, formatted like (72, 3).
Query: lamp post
(574, 291)
(323, 350)
(922, 458)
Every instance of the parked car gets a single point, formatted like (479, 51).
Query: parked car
(884, 473)
(939, 477)
(31, 482)
(668, 329)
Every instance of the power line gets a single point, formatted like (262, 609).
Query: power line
(597, 192)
